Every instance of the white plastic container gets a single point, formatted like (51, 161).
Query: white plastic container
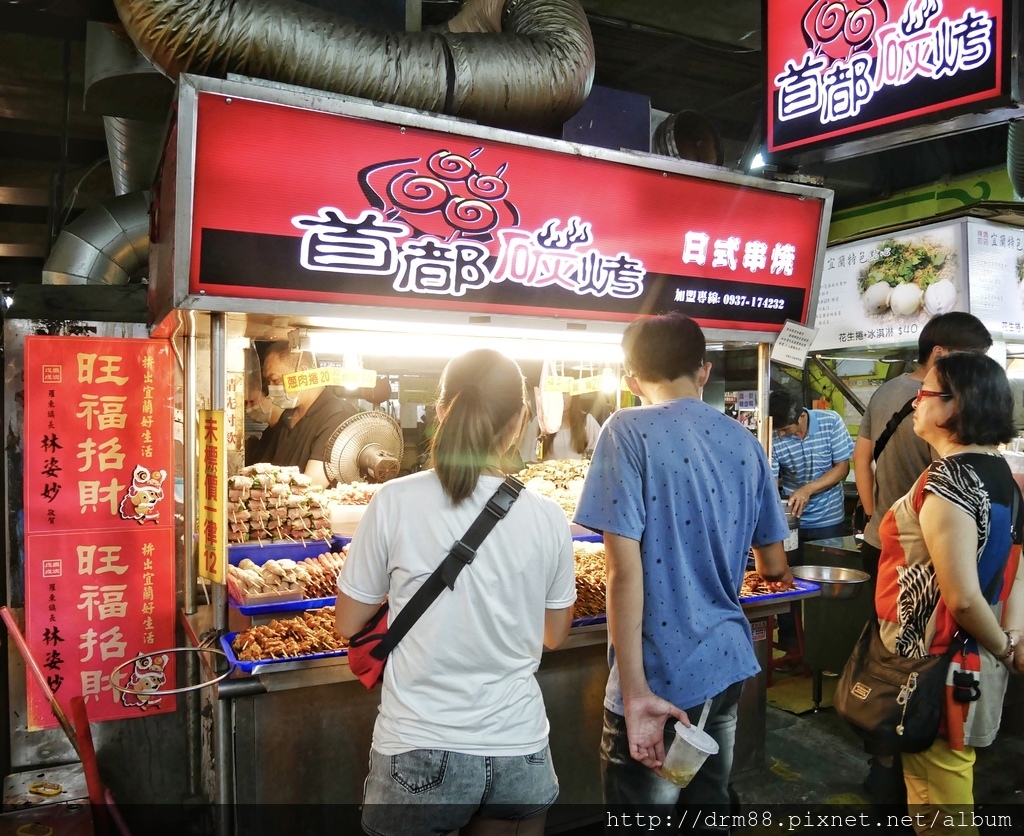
(687, 754)
(345, 519)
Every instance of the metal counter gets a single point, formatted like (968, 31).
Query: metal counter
(301, 731)
(832, 625)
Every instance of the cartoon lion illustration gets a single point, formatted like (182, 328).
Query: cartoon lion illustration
(140, 500)
(148, 674)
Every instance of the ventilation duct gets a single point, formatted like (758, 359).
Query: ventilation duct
(106, 244)
(134, 100)
(1015, 157)
(514, 63)
(134, 152)
(689, 135)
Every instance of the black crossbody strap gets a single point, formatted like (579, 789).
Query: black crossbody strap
(460, 556)
(892, 426)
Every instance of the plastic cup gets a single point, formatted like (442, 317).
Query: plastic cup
(687, 754)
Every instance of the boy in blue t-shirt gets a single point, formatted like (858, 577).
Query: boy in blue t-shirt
(680, 492)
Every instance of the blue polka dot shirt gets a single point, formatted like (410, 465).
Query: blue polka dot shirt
(695, 489)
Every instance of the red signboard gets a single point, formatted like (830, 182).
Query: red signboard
(292, 204)
(838, 69)
(99, 522)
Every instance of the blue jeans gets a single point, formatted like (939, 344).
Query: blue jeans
(627, 785)
(427, 791)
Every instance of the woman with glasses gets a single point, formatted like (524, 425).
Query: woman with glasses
(950, 571)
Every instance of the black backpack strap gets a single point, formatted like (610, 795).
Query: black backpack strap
(892, 426)
(1015, 539)
(460, 556)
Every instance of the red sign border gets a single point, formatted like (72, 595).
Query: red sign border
(311, 303)
(952, 110)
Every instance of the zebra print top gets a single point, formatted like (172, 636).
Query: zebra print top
(913, 620)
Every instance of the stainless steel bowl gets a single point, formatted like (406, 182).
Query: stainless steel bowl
(835, 581)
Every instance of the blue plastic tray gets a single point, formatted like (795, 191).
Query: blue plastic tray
(260, 553)
(279, 551)
(250, 667)
(284, 606)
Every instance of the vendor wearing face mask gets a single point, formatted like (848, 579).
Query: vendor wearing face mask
(306, 420)
(260, 410)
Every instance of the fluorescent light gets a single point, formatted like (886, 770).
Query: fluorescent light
(757, 162)
(516, 345)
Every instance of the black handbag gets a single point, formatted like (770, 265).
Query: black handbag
(892, 701)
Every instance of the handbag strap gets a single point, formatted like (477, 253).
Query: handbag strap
(458, 558)
(892, 426)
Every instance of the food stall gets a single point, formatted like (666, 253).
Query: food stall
(392, 240)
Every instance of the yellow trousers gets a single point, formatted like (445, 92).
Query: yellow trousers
(940, 790)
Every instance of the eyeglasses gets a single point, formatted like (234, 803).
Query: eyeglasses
(928, 393)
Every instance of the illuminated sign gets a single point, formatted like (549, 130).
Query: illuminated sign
(373, 213)
(840, 68)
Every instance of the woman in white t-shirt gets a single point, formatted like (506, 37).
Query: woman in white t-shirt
(575, 439)
(461, 740)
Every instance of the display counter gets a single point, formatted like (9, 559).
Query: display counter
(301, 729)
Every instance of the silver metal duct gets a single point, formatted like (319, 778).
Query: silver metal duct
(1015, 157)
(134, 152)
(518, 63)
(134, 99)
(107, 244)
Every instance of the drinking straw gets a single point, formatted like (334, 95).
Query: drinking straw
(704, 714)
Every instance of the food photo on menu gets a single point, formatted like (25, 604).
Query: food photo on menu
(884, 289)
(909, 277)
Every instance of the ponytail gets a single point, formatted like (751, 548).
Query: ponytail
(462, 444)
(482, 392)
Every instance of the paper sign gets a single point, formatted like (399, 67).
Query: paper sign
(792, 345)
(329, 376)
(99, 519)
(212, 485)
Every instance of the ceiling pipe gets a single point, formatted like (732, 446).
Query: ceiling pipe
(1015, 157)
(511, 63)
(133, 98)
(106, 244)
(134, 148)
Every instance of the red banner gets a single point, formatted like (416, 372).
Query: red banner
(301, 205)
(99, 521)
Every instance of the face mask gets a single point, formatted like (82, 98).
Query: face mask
(279, 399)
(261, 411)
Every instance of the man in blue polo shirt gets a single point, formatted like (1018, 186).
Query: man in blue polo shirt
(680, 492)
(811, 456)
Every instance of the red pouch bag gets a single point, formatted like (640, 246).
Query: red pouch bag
(362, 661)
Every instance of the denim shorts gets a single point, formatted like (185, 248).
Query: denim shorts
(435, 791)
